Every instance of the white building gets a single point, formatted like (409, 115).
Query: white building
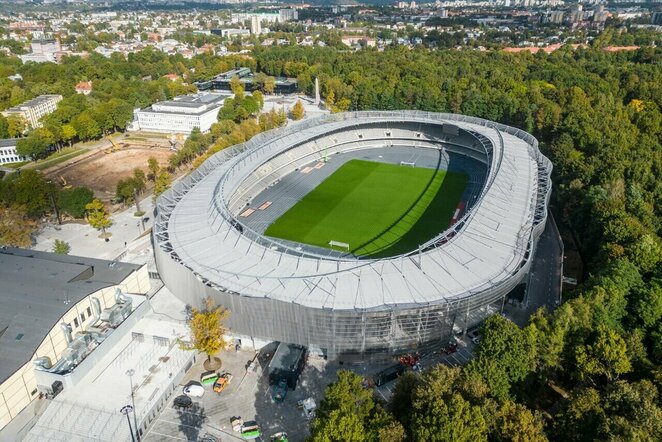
(32, 110)
(256, 25)
(42, 51)
(182, 114)
(8, 151)
(269, 17)
(42, 294)
(288, 15)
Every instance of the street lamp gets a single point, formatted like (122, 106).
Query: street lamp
(52, 198)
(125, 410)
(130, 372)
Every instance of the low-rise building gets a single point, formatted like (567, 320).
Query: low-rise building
(84, 87)
(182, 114)
(282, 85)
(32, 110)
(49, 303)
(8, 151)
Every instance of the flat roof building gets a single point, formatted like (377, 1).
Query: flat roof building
(283, 85)
(182, 114)
(8, 151)
(32, 110)
(40, 292)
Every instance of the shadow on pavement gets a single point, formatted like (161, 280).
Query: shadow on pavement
(286, 416)
(191, 420)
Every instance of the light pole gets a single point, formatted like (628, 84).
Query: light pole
(130, 372)
(125, 410)
(52, 198)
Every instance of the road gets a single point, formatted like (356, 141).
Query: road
(544, 282)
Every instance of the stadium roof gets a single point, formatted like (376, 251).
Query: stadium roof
(491, 245)
(38, 288)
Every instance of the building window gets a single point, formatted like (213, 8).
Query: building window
(75, 322)
(82, 317)
(89, 312)
(33, 392)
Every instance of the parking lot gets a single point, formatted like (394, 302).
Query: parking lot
(250, 396)
(247, 396)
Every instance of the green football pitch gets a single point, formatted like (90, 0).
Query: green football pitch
(378, 209)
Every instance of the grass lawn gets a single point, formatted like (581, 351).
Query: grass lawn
(378, 209)
(56, 158)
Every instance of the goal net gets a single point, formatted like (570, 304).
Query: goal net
(342, 245)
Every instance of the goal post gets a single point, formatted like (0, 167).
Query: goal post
(343, 245)
(408, 163)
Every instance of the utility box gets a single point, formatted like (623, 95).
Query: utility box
(287, 364)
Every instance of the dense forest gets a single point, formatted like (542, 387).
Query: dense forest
(591, 369)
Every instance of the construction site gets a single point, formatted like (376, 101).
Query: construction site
(103, 167)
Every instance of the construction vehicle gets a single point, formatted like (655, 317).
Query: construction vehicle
(222, 382)
(65, 185)
(115, 147)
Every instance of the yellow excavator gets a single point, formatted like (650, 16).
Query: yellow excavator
(115, 147)
(65, 185)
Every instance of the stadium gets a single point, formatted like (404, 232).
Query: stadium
(358, 233)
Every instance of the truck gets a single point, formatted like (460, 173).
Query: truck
(287, 364)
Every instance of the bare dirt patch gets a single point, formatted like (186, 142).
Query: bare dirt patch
(102, 171)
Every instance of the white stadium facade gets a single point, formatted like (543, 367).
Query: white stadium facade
(342, 304)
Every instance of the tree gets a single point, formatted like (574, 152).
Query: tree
(15, 126)
(298, 111)
(61, 247)
(153, 168)
(349, 412)
(16, 228)
(517, 423)
(259, 98)
(68, 133)
(73, 201)
(86, 127)
(207, 329)
(97, 216)
(269, 85)
(606, 356)
(237, 88)
(36, 144)
(4, 127)
(27, 189)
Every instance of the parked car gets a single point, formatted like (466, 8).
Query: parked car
(279, 437)
(222, 382)
(182, 402)
(250, 430)
(208, 377)
(194, 390)
(450, 348)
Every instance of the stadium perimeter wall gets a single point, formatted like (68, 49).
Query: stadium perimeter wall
(345, 333)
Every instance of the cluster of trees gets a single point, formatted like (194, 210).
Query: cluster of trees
(27, 196)
(120, 84)
(592, 369)
(239, 120)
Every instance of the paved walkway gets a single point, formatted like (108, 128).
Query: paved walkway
(85, 241)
